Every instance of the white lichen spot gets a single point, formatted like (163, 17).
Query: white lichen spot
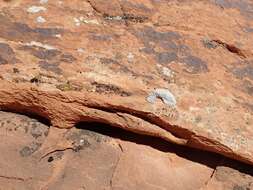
(167, 72)
(92, 21)
(43, 1)
(211, 109)
(40, 19)
(117, 18)
(39, 44)
(80, 50)
(36, 9)
(164, 94)
(82, 142)
(194, 109)
(77, 21)
(130, 57)
(81, 19)
(58, 35)
(60, 2)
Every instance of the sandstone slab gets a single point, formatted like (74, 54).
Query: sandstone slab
(94, 62)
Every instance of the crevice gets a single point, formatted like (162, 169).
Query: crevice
(157, 143)
(94, 8)
(123, 14)
(135, 124)
(148, 117)
(54, 151)
(125, 17)
(211, 177)
(210, 159)
(231, 48)
(14, 178)
(114, 171)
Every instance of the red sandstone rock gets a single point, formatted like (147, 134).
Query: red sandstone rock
(91, 61)
(103, 157)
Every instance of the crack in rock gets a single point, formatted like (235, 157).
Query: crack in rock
(65, 109)
(14, 178)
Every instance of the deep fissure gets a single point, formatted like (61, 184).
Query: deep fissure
(210, 159)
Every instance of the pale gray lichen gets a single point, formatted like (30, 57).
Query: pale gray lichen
(164, 94)
(43, 1)
(40, 19)
(36, 9)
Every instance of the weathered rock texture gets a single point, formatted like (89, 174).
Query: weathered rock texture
(102, 157)
(94, 61)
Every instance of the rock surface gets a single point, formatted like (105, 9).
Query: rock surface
(90, 61)
(102, 157)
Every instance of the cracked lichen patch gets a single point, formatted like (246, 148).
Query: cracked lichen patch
(166, 73)
(231, 176)
(247, 86)
(248, 29)
(210, 44)
(7, 54)
(173, 49)
(102, 37)
(249, 106)
(195, 65)
(52, 67)
(136, 6)
(164, 39)
(21, 32)
(19, 125)
(112, 65)
(30, 149)
(109, 89)
(106, 61)
(47, 54)
(169, 41)
(244, 6)
(68, 86)
(245, 71)
(166, 57)
(41, 53)
(67, 58)
(82, 138)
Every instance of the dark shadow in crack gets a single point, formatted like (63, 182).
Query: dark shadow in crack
(209, 159)
(29, 114)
